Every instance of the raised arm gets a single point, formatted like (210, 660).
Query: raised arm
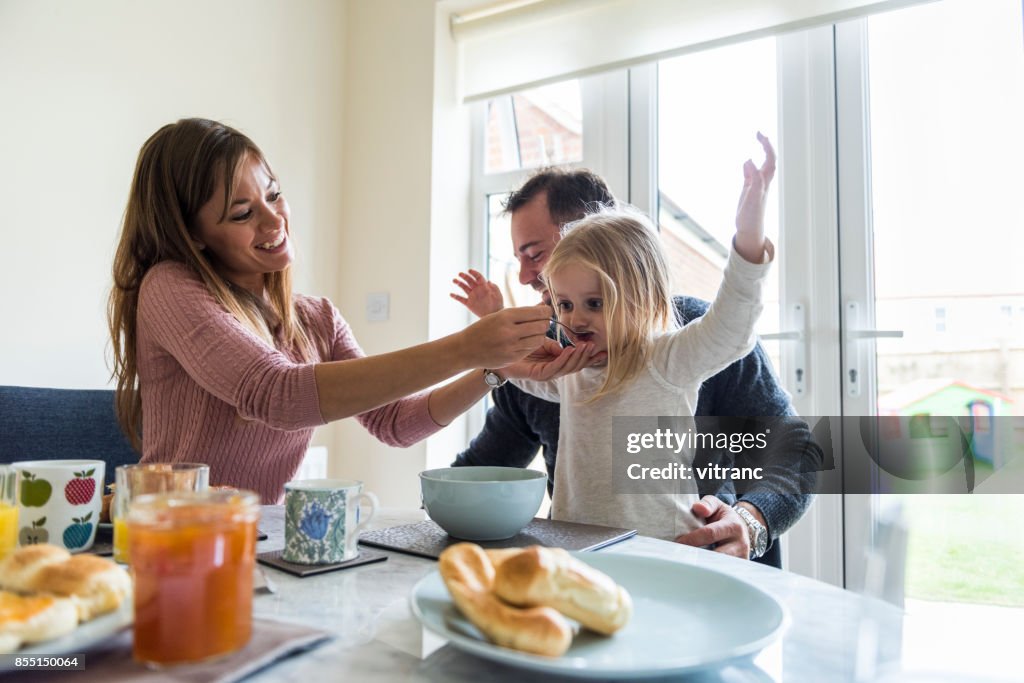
(750, 242)
(178, 315)
(481, 296)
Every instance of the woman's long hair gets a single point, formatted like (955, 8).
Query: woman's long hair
(176, 174)
(621, 246)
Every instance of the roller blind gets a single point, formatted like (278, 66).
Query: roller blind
(524, 43)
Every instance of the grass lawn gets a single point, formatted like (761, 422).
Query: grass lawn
(965, 548)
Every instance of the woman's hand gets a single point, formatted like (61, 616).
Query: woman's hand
(750, 242)
(549, 361)
(505, 337)
(482, 296)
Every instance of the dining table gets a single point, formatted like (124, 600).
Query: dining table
(832, 634)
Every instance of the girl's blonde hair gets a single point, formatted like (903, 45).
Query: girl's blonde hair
(621, 245)
(176, 174)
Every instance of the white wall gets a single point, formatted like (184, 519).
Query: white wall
(406, 176)
(83, 84)
(340, 95)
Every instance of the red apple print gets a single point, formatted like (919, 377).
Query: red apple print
(80, 489)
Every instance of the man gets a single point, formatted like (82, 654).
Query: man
(743, 518)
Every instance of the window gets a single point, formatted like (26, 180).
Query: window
(893, 221)
(535, 127)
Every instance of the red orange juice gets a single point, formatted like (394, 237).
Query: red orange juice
(192, 556)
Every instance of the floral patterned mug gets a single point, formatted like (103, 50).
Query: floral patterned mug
(322, 520)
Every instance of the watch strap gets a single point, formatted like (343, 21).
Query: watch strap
(757, 531)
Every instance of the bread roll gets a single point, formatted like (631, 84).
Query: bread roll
(97, 584)
(551, 577)
(30, 619)
(18, 569)
(499, 555)
(469, 576)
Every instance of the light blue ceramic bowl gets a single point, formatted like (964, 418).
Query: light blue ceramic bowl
(482, 503)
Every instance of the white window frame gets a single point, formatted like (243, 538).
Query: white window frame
(605, 113)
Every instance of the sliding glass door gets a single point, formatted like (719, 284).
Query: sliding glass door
(898, 220)
(933, 307)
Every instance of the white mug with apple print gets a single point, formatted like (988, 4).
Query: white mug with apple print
(59, 502)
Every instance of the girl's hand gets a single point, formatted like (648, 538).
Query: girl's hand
(482, 296)
(550, 361)
(750, 242)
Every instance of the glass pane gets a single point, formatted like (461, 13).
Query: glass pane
(945, 165)
(503, 270)
(705, 133)
(502, 265)
(536, 127)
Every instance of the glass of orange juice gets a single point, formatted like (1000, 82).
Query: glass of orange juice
(8, 510)
(131, 481)
(192, 555)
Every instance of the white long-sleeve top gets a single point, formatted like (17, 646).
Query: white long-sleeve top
(666, 386)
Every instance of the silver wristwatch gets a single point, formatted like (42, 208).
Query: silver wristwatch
(493, 379)
(758, 534)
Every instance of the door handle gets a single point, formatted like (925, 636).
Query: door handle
(797, 334)
(853, 350)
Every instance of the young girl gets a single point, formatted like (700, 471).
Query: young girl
(609, 284)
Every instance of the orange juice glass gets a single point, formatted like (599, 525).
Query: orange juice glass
(132, 481)
(8, 510)
(192, 555)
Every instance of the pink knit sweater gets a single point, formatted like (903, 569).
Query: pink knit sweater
(213, 392)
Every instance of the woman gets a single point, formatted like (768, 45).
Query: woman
(225, 364)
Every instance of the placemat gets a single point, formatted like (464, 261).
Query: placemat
(427, 539)
(112, 662)
(274, 559)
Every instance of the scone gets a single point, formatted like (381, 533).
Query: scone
(97, 584)
(18, 569)
(34, 618)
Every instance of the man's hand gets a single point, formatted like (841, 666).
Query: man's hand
(725, 528)
(482, 295)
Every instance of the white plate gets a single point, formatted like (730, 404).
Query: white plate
(684, 618)
(83, 639)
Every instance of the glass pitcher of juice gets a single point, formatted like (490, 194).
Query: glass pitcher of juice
(132, 481)
(192, 555)
(8, 510)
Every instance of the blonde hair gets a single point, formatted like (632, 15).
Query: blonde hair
(621, 246)
(177, 172)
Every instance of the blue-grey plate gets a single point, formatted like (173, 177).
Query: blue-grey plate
(685, 618)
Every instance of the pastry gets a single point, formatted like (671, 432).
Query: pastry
(468, 573)
(551, 577)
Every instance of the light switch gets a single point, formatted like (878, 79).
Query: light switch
(378, 305)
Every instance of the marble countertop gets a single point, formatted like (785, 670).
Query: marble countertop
(378, 639)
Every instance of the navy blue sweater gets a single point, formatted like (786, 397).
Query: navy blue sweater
(519, 424)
